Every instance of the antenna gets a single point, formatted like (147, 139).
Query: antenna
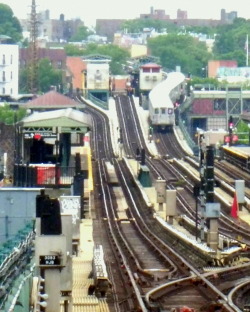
(33, 76)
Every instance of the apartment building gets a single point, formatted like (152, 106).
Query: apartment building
(9, 60)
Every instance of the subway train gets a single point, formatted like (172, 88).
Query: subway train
(101, 282)
(163, 99)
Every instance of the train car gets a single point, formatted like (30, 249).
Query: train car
(111, 177)
(163, 99)
(239, 156)
(150, 75)
(101, 282)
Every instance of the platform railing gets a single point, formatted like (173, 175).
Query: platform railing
(43, 176)
(186, 135)
(98, 102)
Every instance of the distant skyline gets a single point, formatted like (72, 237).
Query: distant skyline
(91, 10)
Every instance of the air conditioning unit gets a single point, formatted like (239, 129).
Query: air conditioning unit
(147, 78)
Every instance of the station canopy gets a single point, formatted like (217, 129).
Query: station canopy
(49, 123)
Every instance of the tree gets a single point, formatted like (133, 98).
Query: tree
(182, 50)
(72, 50)
(118, 55)
(137, 25)
(10, 116)
(47, 77)
(230, 41)
(9, 24)
(82, 33)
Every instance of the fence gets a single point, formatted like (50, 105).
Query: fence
(43, 176)
(97, 101)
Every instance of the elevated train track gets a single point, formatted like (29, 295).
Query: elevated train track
(138, 144)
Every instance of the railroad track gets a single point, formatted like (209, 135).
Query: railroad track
(139, 285)
(129, 127)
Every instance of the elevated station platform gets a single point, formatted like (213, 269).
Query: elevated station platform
(82, 267)
(238, 150)
(228, 249)
(222, 195)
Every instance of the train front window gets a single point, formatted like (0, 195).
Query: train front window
(170, 111)
(163, 110)
(157, 111)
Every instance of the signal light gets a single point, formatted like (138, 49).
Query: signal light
(230, 122)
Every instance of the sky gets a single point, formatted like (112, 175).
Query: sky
(90, 10)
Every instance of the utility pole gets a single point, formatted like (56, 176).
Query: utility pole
(33, 76)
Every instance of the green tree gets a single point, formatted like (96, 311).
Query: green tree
(137, 25)
(82, 33)
(23, 80)
(230, 41)
(242, 131)
(47, 77)
(72, 50)
(210, 31)
(118, 55)
(10, 116)
(9, 24)
(181, 50)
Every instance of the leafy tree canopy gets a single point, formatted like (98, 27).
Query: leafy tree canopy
(82, 33)
(9, 116)
(118, 55)
(47, 77)
(180, 50)
(137, 25)
(231, 39)
(9, 24)
(72, 50)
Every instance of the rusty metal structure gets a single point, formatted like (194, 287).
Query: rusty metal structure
(33, 68)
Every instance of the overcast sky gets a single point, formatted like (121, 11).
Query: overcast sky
(90, 10)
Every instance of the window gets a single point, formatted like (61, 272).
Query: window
(3, 76)
(3, 59)
(157, 111)
(11, 75)
(11, 91)
(163, 110)
(3, 90)
(170, 111)
(146, 70)
(11, 59)
(155, 70)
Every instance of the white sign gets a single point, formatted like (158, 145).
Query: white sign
(71, 205)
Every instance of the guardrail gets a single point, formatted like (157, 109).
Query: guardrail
(187, 137)
(12, 264)
(97, 101)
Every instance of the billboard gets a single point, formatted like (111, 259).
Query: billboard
(98, 76)
(224, 72)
